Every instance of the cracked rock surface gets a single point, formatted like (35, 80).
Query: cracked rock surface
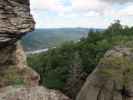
(15, 20)
(112, 79)
(17, 80)
(33, 93)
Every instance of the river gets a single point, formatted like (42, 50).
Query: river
(38, 51)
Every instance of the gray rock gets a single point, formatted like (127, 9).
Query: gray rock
(112, 79)
(30, 93)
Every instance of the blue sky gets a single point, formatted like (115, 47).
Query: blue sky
(81, 13)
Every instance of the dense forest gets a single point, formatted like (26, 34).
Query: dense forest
(66, 67)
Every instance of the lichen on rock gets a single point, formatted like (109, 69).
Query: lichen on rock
(113, 77)
(33, 93)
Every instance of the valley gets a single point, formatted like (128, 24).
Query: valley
(47, 38)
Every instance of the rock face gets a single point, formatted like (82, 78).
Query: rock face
(14, 69)
(17, 80)
(15, 20)
(112, 79)
(33, 93)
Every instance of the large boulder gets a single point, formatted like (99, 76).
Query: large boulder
(113, 77)
(15, 21)
(32, 93)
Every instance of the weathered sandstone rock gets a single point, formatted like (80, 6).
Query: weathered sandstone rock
(15, 20)
(17, 80)
(14, 69)
(32, 93)
(112, 79)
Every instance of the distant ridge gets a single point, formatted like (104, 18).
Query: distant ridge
(52, 37)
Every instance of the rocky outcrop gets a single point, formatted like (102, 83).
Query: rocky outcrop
(15, 20)
(112, 79)
(17, 80)
(14, 69)
(33, 93)
(20, 82)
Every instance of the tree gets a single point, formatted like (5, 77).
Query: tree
(115, 27)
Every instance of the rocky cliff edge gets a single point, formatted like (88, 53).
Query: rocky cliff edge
(113, 77)
(17, 80)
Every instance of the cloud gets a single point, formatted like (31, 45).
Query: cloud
(47, 5)
(87, 5)
(118, 1)
(76, 6)
(103, 7)
(84, 13)
(124, 11)
(128, 11)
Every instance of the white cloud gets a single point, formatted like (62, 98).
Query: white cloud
(50, 5)
(118, 1)
(73, 21)
(91, 13)
(88, 5)
(127, 11)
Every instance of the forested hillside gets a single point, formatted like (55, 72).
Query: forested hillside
(66, 67)
(45, 38)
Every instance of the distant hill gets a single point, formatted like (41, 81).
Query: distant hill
(45, 38)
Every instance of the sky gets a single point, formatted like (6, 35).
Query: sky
(81, 13)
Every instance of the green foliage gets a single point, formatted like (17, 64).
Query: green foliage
(54, 66)
(11, 76)
(96, 44)
(18, 82)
